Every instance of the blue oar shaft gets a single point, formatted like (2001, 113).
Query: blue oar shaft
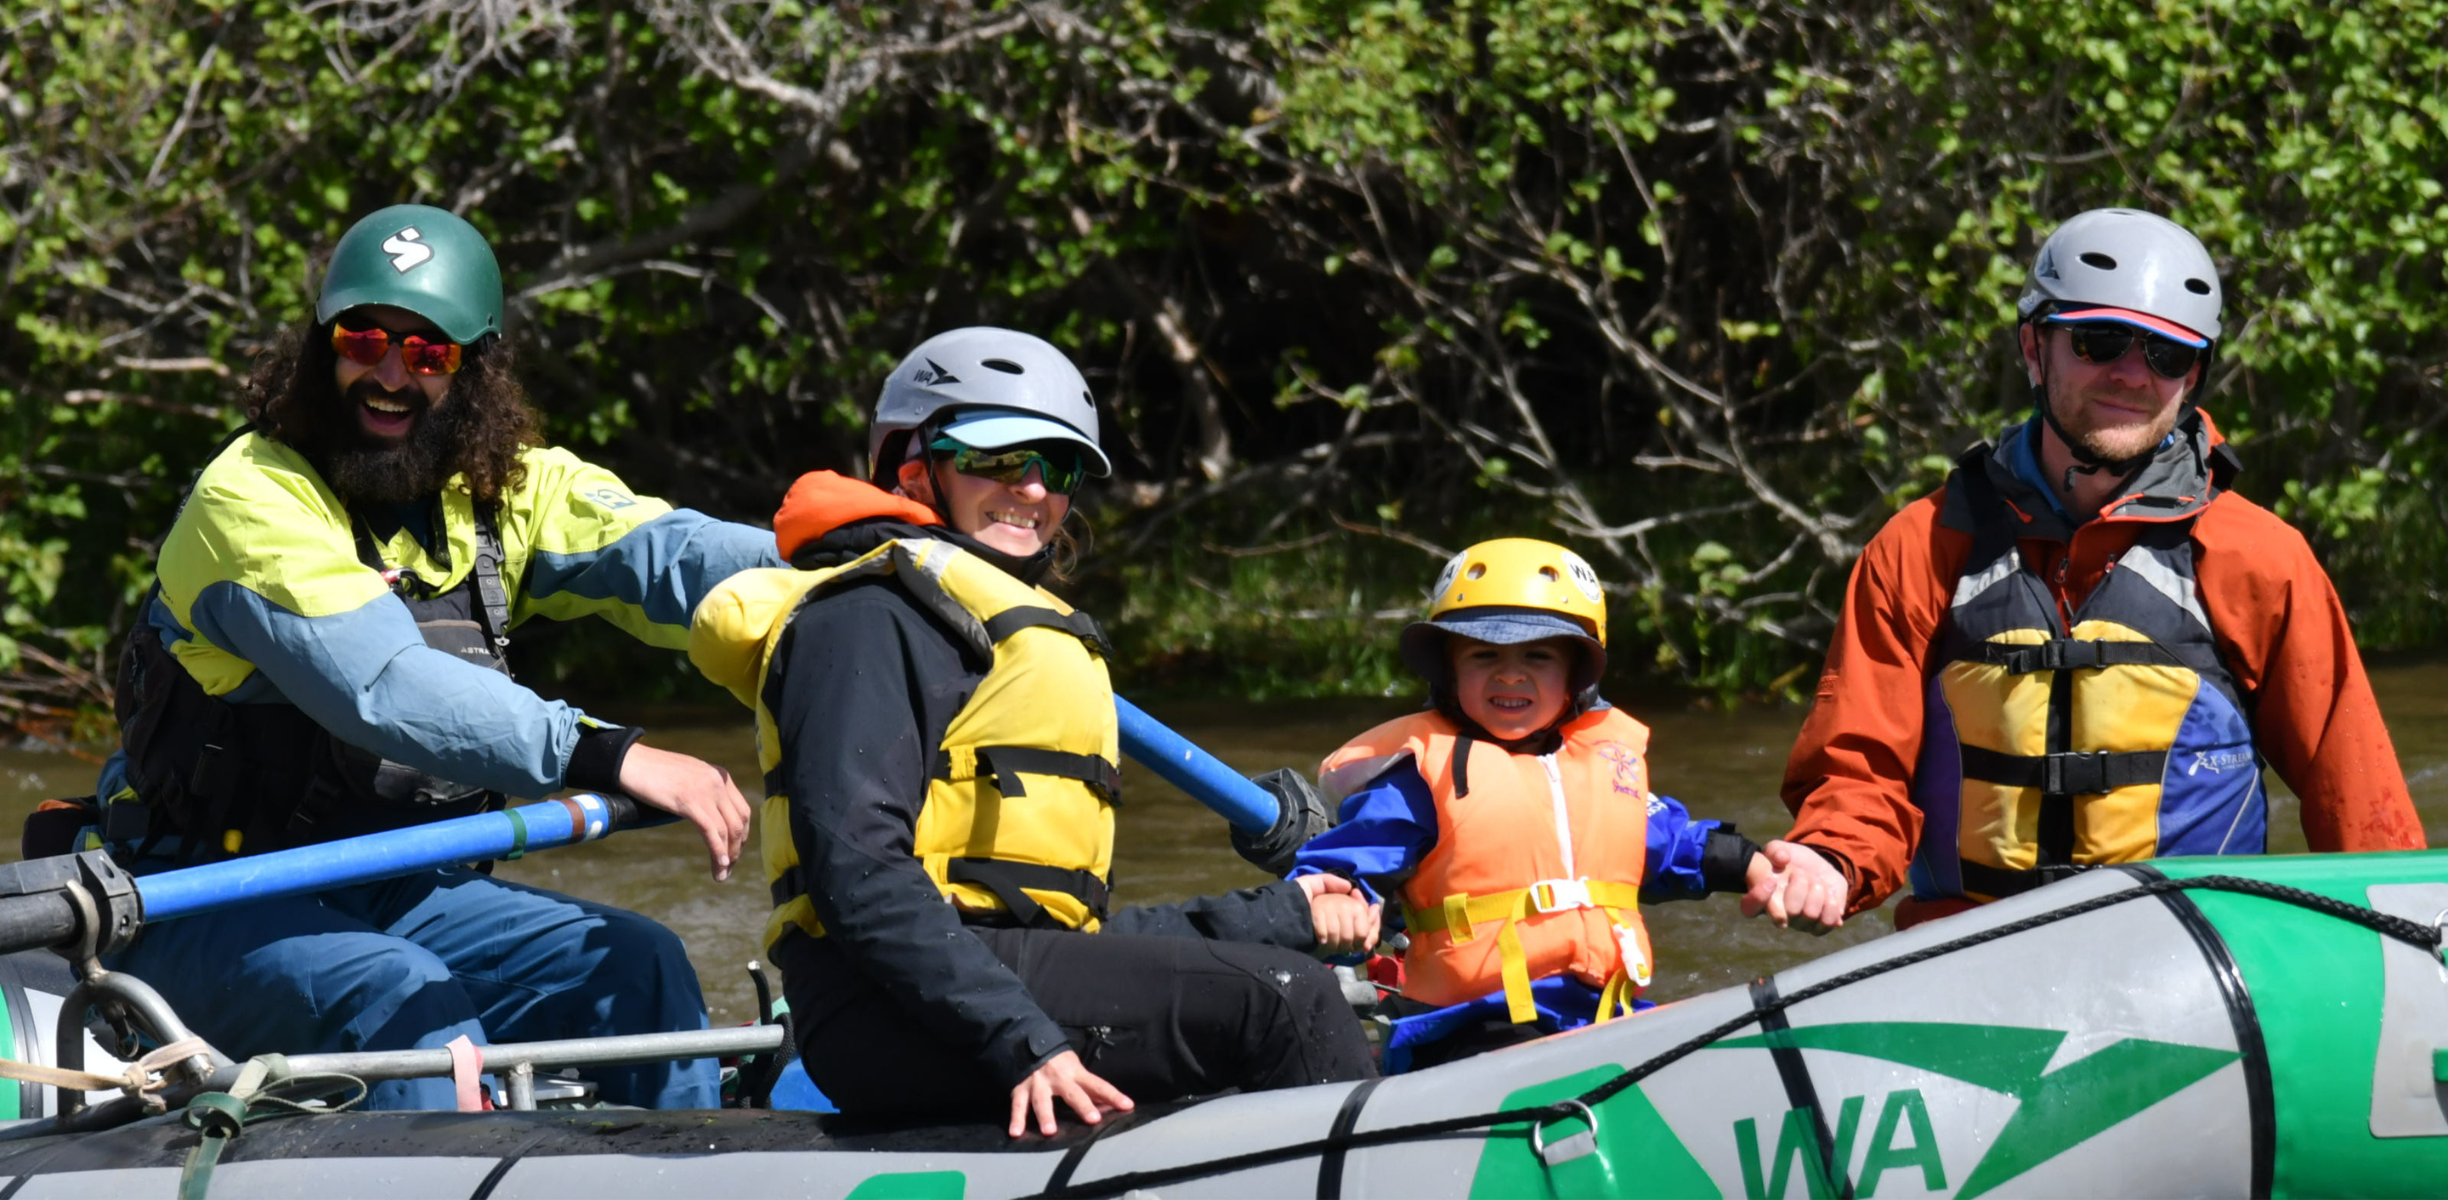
(212, 887)
(1248, 807)
(169, 895)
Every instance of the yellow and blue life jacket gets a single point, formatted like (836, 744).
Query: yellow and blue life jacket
(2055, 745)
(1017, 825)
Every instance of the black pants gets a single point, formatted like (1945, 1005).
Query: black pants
(1158, 1017)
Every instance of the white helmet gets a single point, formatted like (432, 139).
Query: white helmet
(2120, 264)
(1037, 392)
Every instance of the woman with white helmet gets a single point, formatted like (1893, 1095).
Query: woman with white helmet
(941, 753)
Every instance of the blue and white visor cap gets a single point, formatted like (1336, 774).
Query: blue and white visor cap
(996, 428)
(2102, 314)
(1510, 626)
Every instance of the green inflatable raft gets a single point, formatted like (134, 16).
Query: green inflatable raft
(2227, 1027)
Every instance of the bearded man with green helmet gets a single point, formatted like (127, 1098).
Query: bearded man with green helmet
(322, 656)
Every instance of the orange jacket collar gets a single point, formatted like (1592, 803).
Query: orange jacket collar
(823, 501)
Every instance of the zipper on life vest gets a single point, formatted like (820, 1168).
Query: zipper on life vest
(1563, 818)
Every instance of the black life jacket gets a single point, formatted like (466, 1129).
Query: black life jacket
(231, 779)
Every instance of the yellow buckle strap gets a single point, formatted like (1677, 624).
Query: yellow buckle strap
(1458, 922)
(1461, 912)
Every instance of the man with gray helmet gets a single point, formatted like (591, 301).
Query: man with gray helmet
(2085, 648)
(323, 656)
(940, 748)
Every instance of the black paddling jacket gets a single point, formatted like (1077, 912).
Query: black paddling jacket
(863, 685)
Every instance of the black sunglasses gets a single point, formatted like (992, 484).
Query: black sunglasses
(2102, 344)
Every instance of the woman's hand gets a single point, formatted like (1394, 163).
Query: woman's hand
(696, 791)
(1064, 1076)
(1796, 886)
(1345, 921)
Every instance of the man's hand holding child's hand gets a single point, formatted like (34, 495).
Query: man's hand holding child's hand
(1346, 922)
(1796, 886)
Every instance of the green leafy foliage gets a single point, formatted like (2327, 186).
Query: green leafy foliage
(1707, 289)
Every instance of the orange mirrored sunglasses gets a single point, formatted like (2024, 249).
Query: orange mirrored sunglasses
(421, 355)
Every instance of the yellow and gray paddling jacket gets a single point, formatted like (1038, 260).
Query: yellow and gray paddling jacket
(2060, 743)
(296, 677)
(1018, 824)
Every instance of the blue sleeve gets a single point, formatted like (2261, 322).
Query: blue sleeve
(1676, 843)
(367, 676)
(1383, 831)
(650, 579)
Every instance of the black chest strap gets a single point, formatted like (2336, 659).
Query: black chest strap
(1004, 877)
(1005, 765)
(1078, 624)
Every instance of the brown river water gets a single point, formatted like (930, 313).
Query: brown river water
(1722, 765)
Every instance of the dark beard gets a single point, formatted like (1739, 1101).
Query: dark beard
(365, 471)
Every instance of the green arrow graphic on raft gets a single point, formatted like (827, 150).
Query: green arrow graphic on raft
(2059, 1109)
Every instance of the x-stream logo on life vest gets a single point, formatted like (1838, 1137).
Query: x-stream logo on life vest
(1902, 1136)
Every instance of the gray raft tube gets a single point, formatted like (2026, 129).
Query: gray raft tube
(2106, 1036)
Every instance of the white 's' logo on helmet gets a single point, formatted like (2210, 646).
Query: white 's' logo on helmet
(407, 249)
(1445, 581)
(1583, 576)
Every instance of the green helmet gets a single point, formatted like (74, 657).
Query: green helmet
(420, 258)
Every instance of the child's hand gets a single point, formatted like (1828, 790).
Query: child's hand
(1346, 923)
(1796, 887)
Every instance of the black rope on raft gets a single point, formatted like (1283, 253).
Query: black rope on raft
(2413, 933)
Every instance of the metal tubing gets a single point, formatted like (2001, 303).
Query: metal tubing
(1248, 807)
(520, 1079)
(169, 895)
(38, 919)
(144, 1005)
(373, 1065)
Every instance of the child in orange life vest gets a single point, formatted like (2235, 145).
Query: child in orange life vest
(1514, 818)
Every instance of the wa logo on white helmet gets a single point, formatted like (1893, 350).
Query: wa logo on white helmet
(407, 249)
(1584, 577)
(1445, 580)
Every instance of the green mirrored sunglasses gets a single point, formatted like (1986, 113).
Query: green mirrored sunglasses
(1062, 473)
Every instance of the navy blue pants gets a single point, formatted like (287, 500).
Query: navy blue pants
(411, 963)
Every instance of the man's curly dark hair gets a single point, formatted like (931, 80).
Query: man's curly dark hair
(478, 432)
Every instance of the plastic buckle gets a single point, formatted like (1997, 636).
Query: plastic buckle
(1559, 895)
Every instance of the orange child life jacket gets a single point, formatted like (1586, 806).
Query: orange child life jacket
(1537, 865)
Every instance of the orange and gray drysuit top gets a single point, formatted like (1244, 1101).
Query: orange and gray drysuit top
(2011, 697)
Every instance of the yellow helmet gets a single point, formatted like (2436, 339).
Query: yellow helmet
(1507, 591)
(1523, 573)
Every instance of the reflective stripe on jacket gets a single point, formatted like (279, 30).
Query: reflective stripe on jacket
(1538, 859)
(2057, 742)
(1018, 818)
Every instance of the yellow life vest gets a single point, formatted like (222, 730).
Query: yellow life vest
(1018, 816)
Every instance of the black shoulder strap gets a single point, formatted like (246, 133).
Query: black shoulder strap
(2225, 465)
(1461, 765)
(367, 552)
(492, 599)
(1993, 523)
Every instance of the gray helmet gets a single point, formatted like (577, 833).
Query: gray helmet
(2119, 264)
(1038, 394)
